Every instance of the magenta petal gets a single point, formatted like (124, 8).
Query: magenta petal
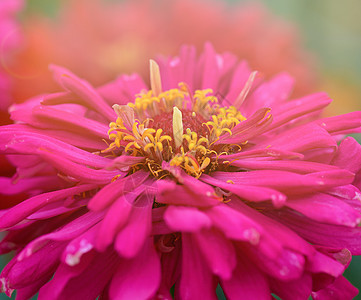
(248, 192)
(31, 205)
(186, 219)
(288, 182)
(68, 283)
(254, 125)
(196, 278)
(30, 290)
(115, 218)
(322, 234)
(270, 93)
(210, 68)
(239, 79)
(322, 263)
(274, 237)
(84, 90)
(80, 172)
(79, 246)
(38, 183)
(137, 278)
(36, 266)
(247, 280)
(168, 192)
(301, 167)
(302, 107)
(130, 240)
(313, 137)
(121, 186)
(349, 147)
(29, 143)
(70, 231)
(326, 209)
(340, 289)
(122, 89)
(235, 225)
(342, 124)
(218, 252)
(297, 289)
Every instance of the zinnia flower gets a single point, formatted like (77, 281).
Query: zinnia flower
(116, 37)
(209, 176)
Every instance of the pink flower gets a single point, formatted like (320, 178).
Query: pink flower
(10, 40)
(208, 176)
(116, 37)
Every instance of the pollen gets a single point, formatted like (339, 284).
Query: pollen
(176, 126)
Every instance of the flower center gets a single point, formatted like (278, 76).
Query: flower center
(173, 128)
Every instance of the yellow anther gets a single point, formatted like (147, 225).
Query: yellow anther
(158, 134)
(203, 140)
(129, 138)
(205, 163)
(165, 138)
(226, 130)
(159, 146)
(148, 146)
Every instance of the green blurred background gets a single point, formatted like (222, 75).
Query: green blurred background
(331, 30)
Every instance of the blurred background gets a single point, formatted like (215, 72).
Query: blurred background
(318, 42)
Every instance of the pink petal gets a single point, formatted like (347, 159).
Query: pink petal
(80, 172)
(340, 289)
(239, 79)
(116, 217)
(210, 68)
(287, 182)
(36, 266)
(247, 192)
(186, 219)
(268, 153)
(291, 110)
(196, 281)
(69, 283)
(130, 240)
(253, 126)
(295, 289)
(313, 137)
(111, 191)
(70, 231)
(270, 93)
(302, 167)
(349, 147)
(322, 234)
(326, 209)
(342, 124)
(218, 252)
(247, 280)
(31, 205)
(84, 90)
(137, 278)
(35, 141)
(235, 225)
(122, 89)
(274, 237)
(82, 244)
(322, 263)
(50, 118)
(168, 192)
